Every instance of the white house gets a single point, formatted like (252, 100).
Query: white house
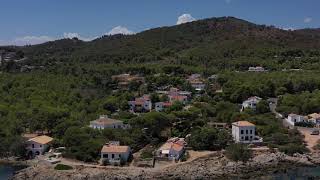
(256, 69)
(173, 149)
(115, 154)
(196, 82)
(198, 85)
(142, 104)
(251, 103)
(38, 145)
(105, 122)
(294, 118)
(244, 132)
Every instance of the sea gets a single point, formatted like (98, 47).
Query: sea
(7, 171)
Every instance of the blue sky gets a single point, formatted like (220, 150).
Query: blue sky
(36, 21)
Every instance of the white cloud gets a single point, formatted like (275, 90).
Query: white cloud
(119, 30)
(30, 40)
(307, 20)
(287, 28)
(71, 35)
(184, 18)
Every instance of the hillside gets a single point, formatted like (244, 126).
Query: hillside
(203, 42)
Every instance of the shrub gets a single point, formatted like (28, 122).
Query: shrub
(317, 146)
(290, 149)
(185, 157)
(238, 152)
(147, 153)
(62, 167)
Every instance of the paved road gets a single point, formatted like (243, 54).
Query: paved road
(273, 102)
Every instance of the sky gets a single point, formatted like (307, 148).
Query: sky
(36, 21)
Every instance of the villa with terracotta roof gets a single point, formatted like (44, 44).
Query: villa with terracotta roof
(180, 98)
(142, 104)
(245, 132)
(105, 122)
(114, 154)
(173, 149)
(38, 145)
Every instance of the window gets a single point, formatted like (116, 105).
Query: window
(247, 132)
(105, 155)
(40, 145)
(250, 131)
(247, 138)
(32, 145)
(241, 131)
(112, 156)
(119, 155)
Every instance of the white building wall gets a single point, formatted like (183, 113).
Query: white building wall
(36, 148)
(114, 156)
(109, 126)
(243, 133)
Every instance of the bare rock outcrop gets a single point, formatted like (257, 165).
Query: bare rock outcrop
(215, 166)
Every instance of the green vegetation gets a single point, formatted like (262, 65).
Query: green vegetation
(303, 103)
(209, 139)
(238, 152)
(62, 167)
(71, 85)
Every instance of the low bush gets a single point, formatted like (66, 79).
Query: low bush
(62, 167)
(238, 152)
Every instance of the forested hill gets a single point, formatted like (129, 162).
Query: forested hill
(208, 41)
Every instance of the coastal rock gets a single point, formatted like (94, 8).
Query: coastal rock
(211, 167)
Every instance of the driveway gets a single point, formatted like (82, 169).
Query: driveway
(311, 140)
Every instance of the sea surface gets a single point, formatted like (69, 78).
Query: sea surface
(7, 171)
(301, 173)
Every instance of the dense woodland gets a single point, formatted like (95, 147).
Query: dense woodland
(74, 86)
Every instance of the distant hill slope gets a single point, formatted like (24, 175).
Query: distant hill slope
(208, 40)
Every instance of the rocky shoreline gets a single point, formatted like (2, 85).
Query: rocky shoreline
(214, 166)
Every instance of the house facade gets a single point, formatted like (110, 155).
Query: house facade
(256, 69)
(104, 122)
(142, 104)
(251, 103)
(161, 106)
(173, 149)
(114, 154)
(244, 132)
(197, 82)
(179, 98)
(294, 118)
(38, 145)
